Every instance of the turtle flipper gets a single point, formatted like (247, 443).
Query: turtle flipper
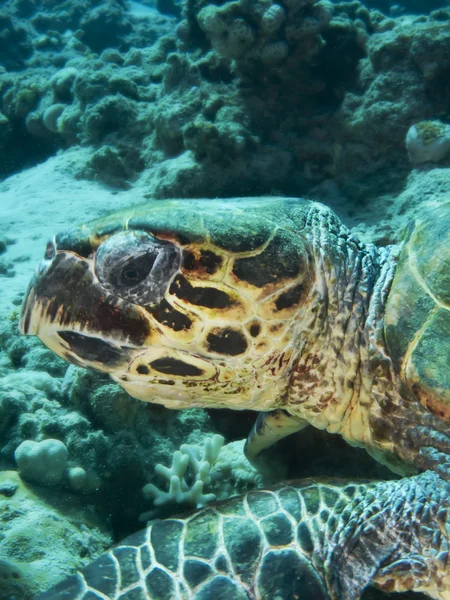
(270, 427)
(397, 540)
(420, 439)
(332, 538)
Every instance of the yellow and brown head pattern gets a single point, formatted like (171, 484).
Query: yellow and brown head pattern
(183, 302)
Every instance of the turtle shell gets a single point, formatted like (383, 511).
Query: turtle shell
(417, 323)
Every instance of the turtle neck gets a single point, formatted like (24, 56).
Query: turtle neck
(340, 339)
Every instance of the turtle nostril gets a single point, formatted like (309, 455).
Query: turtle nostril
(50, 251)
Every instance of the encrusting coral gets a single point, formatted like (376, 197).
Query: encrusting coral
(266, 31)
(41, 462)
(428, 141)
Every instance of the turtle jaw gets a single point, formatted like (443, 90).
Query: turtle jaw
(67, 308)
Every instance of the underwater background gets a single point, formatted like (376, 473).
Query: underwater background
(105, 104)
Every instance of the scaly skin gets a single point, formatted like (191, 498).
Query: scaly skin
(309, 540)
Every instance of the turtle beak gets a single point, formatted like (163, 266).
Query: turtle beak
(25, 318)
(68, 309)
(28, 325)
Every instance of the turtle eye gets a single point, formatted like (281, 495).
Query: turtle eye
(136, 270)
(136, 266)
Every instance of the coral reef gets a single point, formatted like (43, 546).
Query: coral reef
(264, 32)
(73, 536)
(398, 86)
(243, 96)
(43, 46)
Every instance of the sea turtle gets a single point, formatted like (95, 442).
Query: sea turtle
(269, 304)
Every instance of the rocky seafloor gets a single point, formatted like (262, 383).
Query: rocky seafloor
(103, 104)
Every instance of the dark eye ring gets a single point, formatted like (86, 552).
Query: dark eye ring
(136, 270)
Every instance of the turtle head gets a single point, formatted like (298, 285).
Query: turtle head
(183, 302)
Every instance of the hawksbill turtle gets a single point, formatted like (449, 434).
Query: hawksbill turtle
(269, 304)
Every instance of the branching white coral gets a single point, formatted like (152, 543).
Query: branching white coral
(223, 469)
(187, 486)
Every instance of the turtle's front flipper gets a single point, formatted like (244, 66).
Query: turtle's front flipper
(394, 535)
(307, 539)
(270, 427)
